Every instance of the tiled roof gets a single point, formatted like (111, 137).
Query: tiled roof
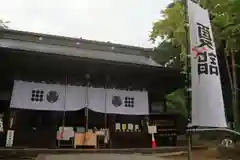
(77, 47)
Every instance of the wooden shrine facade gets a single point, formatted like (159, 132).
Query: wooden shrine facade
(53, 59)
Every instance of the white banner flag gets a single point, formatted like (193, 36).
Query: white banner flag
(207, 99)
(127, 102)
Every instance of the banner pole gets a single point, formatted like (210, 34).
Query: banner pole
(188, 81)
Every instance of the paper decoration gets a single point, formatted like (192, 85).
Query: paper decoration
(136, 127)
(130, 126)
(117, 126)
(123, 127)
(11, 122)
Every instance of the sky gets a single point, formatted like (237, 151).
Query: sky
(126, 22)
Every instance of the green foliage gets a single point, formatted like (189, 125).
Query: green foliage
(167, 55)
(225, 19)
(171, 27)
(177, 100)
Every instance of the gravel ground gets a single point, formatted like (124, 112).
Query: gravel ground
(197, 155)
(99, 157)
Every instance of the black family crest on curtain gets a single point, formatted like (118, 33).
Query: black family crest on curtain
(116, 101)
(37, 95)
(52, 96)
(129, 102)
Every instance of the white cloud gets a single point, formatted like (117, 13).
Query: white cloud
(120, 21)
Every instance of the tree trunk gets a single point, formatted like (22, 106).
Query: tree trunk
(235, 94)
(226, 57)
(228, 97)
(229, 72)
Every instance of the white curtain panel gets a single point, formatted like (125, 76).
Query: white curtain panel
(75, 98)
(40, 96)
(96, 99)
(127, 102)
(207, 98)
(37, 96)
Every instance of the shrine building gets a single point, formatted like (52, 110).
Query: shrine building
(70, 92)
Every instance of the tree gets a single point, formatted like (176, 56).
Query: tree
(167, 55)
(3, 24)
(177, 101)
(225, 18)
(171, 27)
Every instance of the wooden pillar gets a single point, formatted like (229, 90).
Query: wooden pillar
(87, 77)
(235, 93)
(11, 129)
(164, 105)
(107, 82)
